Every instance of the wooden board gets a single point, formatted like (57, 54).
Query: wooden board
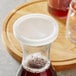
(63, 52)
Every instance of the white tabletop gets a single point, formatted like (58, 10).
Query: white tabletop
(8, 65)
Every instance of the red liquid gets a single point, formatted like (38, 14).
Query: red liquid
(37, 66)
(57, 12)
(59, 9)
(48, 72)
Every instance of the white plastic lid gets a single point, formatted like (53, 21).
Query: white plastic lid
(35, 29)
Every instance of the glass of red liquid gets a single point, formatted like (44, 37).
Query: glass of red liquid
(71, 22)
(35, 33)
(58, 8)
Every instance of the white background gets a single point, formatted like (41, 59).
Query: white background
(8, 65)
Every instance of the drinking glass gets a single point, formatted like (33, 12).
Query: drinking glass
(58, 8)
(36, 32)
(71, 22)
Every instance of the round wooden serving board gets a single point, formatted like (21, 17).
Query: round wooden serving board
(63, 52)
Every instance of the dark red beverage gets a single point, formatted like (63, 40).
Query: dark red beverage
(37, 66)
(59, 8)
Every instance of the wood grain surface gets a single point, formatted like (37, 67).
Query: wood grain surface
(63, 52)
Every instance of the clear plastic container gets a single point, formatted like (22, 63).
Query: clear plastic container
(36, 32)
